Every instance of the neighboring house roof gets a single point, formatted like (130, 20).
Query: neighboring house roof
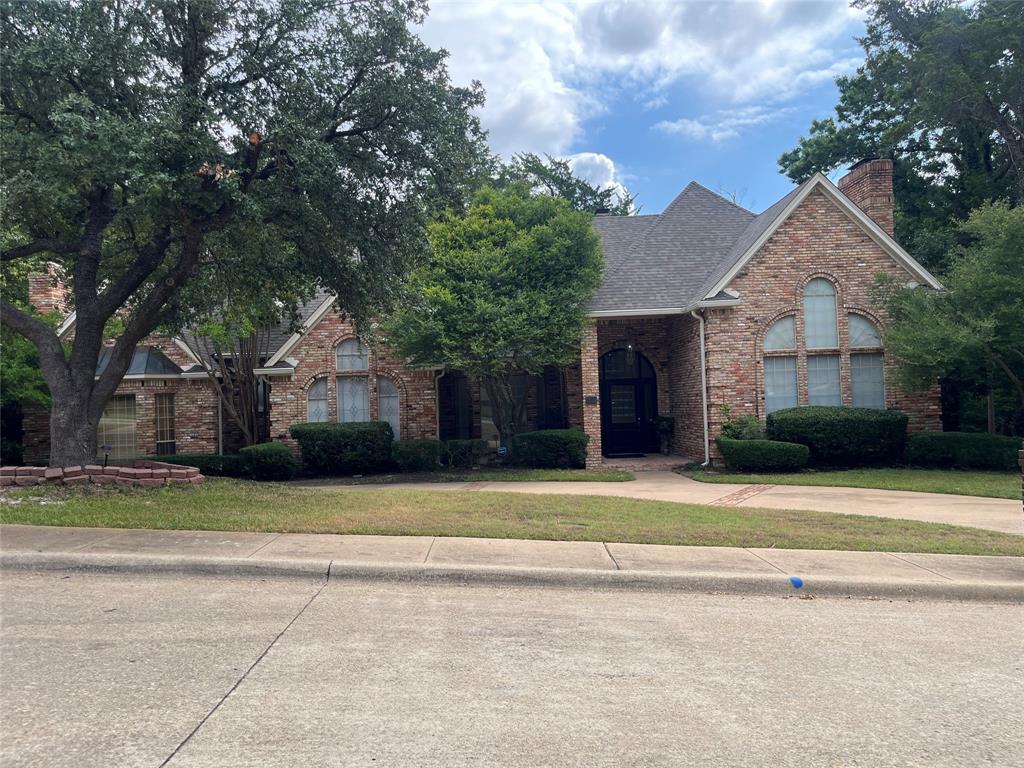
(686, 256)
(146, 361)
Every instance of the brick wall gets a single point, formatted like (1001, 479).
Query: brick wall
(687, 405)
(315, 354)
(869, 186)
(818, 240)
(47, 292)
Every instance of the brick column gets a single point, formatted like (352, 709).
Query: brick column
(590, 391)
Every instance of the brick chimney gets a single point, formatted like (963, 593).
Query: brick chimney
(869, 187)
(47, 292)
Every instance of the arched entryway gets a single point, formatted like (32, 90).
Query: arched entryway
(629, 403)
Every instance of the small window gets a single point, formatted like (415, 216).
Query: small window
(867, 380)
(116, 430)
(165, 444)
(863, 333)
(820, 329)
(782, 334)
(823, 380)
(779, 383)
(353, 355)
(353, 399)
(316, 401)
(388, 405)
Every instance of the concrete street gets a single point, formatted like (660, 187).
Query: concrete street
(121, 670)
(1004, 515)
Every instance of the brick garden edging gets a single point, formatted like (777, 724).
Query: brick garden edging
(141, 473)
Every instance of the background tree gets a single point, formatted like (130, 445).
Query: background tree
(973, 331)
(552, 176)
(941, 92)
(504, 292)
(149, 146)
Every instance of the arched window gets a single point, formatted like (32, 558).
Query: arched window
(780, 390)
(820, 329)
(867, 378)
(387, 404)
(316, 401)
(352, 355)
(821, 332)
(782, 334)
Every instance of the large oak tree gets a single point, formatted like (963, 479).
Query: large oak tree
(158, 150)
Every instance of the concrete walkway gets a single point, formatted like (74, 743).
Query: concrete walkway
(514, 561)
(1004, 515)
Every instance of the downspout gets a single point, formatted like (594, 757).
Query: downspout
(703, 388)
(220, 427)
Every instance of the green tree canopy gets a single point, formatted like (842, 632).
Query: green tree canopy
(941, 93)
(504, 292)
(156, 151)
(974, 329)
(553, 176)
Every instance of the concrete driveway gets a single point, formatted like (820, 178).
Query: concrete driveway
(169, 671)
(1005, 515)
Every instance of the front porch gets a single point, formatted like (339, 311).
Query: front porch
(652, 462)
(632, 372)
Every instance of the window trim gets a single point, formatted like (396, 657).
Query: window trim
(326, 399)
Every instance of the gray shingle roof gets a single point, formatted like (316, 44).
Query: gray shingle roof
(274, 337)
(146, 361)
(672, 259)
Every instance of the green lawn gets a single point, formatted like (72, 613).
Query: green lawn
(235, 505)
(489, 476)
(999, 485)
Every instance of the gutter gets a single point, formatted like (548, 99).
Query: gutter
(703, 388)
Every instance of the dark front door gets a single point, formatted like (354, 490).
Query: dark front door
(629, 403)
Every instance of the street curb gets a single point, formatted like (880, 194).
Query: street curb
(321, 570)
(155, 565)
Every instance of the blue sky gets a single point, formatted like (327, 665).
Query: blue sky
(652, 95)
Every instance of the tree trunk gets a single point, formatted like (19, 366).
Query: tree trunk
(73, 439)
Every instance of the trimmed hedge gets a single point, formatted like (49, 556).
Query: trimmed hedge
(269, 461)
(839, 436)
(344, 449)
(963, 450)
(763, 455)
(462, 454)
(550, 448)
(211, 464)
(417, 455)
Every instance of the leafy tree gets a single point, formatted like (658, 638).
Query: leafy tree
(553, 176)
(153, 149)
(505, 292)
(973, 331)
(940, 92)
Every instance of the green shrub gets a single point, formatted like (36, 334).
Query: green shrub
(344, 449)
(211, 464)
(763, 455)
(462, 454)
(843, 437)
(269, 461)
(550, 448)
(415, 455)
(743, 428)
(963, 450)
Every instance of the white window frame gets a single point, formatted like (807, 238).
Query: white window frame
(314, 389)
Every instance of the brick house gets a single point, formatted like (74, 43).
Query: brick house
(706, 312)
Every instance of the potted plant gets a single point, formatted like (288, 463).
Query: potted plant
(665, 425)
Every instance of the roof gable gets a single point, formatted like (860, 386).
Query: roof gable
(760, 231)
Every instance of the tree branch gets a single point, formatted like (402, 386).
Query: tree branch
(45, 245)
(39, 333)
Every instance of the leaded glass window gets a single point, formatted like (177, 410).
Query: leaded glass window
(317, 408)
(820, 329)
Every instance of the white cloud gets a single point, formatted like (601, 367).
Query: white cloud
(598, 169)
(723, 125)
(548, 67)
